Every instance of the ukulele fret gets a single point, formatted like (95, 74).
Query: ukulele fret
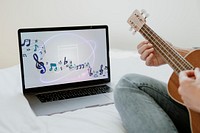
(173, 58)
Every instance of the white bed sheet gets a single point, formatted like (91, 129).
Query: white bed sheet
(16, 115)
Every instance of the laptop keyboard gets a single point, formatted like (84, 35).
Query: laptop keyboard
(66, 94)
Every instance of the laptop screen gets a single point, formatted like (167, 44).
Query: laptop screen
(63, 57)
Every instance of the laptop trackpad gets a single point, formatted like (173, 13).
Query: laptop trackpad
(61, 106)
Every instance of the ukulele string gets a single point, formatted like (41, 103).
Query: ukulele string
(159, 49)
(184, 66)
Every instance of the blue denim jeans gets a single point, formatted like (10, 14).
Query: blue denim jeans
(145, 107)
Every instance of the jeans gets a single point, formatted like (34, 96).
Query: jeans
(145, 106)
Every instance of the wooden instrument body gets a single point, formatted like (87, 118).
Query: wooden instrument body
(173, 84)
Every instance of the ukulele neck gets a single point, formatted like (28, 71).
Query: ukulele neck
(169, 54)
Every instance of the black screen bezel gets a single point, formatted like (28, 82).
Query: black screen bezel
(67, 85)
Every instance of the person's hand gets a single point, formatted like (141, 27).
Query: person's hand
(189, 88)
(149, 55)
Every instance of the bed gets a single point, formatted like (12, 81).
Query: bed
(17, 117)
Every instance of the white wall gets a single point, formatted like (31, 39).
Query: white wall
(175, 20)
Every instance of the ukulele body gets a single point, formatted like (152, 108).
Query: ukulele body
(173, 84)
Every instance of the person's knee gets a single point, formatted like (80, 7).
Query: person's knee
(125, 85)
(128, 80)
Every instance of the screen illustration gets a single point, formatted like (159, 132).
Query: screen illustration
(58, 57)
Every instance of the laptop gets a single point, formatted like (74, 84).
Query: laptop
(65, 68)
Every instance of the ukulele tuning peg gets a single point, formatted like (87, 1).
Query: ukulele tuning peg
(131, 28)
(134, 32)
(146, 15)
(143, 11)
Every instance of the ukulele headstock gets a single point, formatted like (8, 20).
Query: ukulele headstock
(137, 20)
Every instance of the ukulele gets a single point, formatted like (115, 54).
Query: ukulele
(178, 63)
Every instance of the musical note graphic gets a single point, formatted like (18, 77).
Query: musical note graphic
(72, 67)
(60, 62)
(36, 47)
(65, 61)
(53, 65)
(96, 74)
(80, 66)
(33, 46)
(39, 65)
(93, 73)
(90, 71)
(24, 55)
(41, 51)
(44, 49)
(41, 55)
(101, 70)
(26, 42)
